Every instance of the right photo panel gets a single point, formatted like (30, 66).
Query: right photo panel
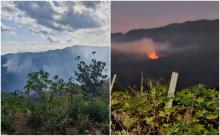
(165, 68)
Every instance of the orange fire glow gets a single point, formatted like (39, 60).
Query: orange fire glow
(153, 55)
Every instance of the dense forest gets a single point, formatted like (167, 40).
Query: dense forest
(50, 105)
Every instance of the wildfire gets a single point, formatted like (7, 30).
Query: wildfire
(153, 55)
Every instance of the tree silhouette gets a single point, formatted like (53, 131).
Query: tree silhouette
(91, 76)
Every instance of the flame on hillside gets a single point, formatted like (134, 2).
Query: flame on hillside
(152, 55)
(142, 49)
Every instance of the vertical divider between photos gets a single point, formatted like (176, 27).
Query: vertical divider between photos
(110, 50)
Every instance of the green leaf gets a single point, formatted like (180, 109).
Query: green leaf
(162, 114)
(169, 110)
(200, 100)
(149, 120)
(211, 117)
(197, 128)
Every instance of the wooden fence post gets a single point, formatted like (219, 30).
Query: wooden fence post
(142, 81)
(172, 88)
(113, 82)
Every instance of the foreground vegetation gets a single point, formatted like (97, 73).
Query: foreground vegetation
(195, 111)
(49, 105)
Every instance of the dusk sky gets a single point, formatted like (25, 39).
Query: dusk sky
(132, 15)
(33, 26)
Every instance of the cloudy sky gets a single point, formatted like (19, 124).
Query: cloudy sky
(41, 26)
(148, 14)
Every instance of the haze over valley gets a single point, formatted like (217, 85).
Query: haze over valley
(190, 48)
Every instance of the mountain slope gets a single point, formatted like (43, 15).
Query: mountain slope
(193, 52)
(15, 67)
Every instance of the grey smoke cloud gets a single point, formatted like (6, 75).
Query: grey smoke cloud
(15, 64)
(141, 48)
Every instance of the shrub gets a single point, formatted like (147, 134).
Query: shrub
(78, 107)
(104, 127)
(56, 123)
(84, 111)
(12, 103)
(98, 110)
(6, 122)
(91, 76)
(194, 111)
(52, 123)
(82, 123)
(46, 88)
(37, 117)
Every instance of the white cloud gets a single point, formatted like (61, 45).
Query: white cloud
(76, 22)
(52, 39)
(7, 29)
(9, 11)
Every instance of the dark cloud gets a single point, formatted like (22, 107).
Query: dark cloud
(77, 21)
(91, 4)
(8, 9)
(69, 20)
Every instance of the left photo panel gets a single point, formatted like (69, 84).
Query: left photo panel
(55, 67)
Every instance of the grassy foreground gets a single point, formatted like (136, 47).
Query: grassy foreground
(195, 111)
(25, 115)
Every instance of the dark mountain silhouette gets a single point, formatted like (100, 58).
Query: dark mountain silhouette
(195, 56)
(15, 67)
